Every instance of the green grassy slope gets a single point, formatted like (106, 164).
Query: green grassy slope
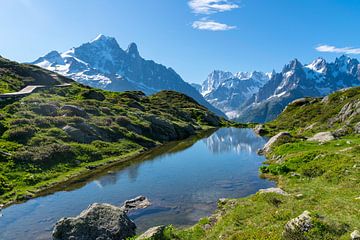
(323, 178)
(57, 133)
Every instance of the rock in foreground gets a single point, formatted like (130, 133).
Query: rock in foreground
(99, 221)
(295, 228)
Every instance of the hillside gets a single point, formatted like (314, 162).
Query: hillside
(319, 178)
(58, 133)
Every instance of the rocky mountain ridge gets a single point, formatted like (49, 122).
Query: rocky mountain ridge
(260, 97)
(102, 63)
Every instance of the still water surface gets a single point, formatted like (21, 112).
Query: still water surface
(183, 181)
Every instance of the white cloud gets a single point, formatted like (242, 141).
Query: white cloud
(211, 25)
(211, 6)
(333, 49)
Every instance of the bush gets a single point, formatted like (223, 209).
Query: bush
(86, 152)
(20, 134)
(46, 154)
(20, 122)
(5, 186)
(57, 133)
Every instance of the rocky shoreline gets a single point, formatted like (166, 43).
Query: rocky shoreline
(105, 221)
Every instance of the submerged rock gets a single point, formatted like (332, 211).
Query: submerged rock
(322, 137)
(139, 202)
(154, 233)
(295, 228)
(282, 136)
(98, 221)
(273, 190)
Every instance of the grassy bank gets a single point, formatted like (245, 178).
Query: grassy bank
(323, 178)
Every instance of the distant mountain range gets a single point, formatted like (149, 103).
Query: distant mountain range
(261, 97)
(228, 91)
(102, 63)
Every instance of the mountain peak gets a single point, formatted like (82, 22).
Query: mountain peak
(133, 50)
(293, 65)
(101, 37)
(318, 65)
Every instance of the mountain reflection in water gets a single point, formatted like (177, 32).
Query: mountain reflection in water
(234, 140)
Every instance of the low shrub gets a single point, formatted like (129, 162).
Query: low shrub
(20, 134)
(5, 185)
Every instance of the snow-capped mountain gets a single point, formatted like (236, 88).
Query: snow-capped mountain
(228, 91)
(316, 79)
(103, 64)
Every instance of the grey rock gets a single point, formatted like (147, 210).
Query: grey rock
(355, 235)
(299, 102)
(282, 136)
(349, 111)
(72, 110)
(357, 128)
(154, 233)
(295, 228)
(139, 202)
(98, 221)
(322, 137)
(85, 134)
(273, 190)
(260, 129)
(343, 131)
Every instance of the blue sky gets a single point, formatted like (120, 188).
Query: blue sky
(192, 36)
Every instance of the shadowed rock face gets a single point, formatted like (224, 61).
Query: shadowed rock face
(99, 221)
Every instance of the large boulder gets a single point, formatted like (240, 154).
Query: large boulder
(280, 137)
(97, 222)
(154, 233)
(295, 228)
(322, 137)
